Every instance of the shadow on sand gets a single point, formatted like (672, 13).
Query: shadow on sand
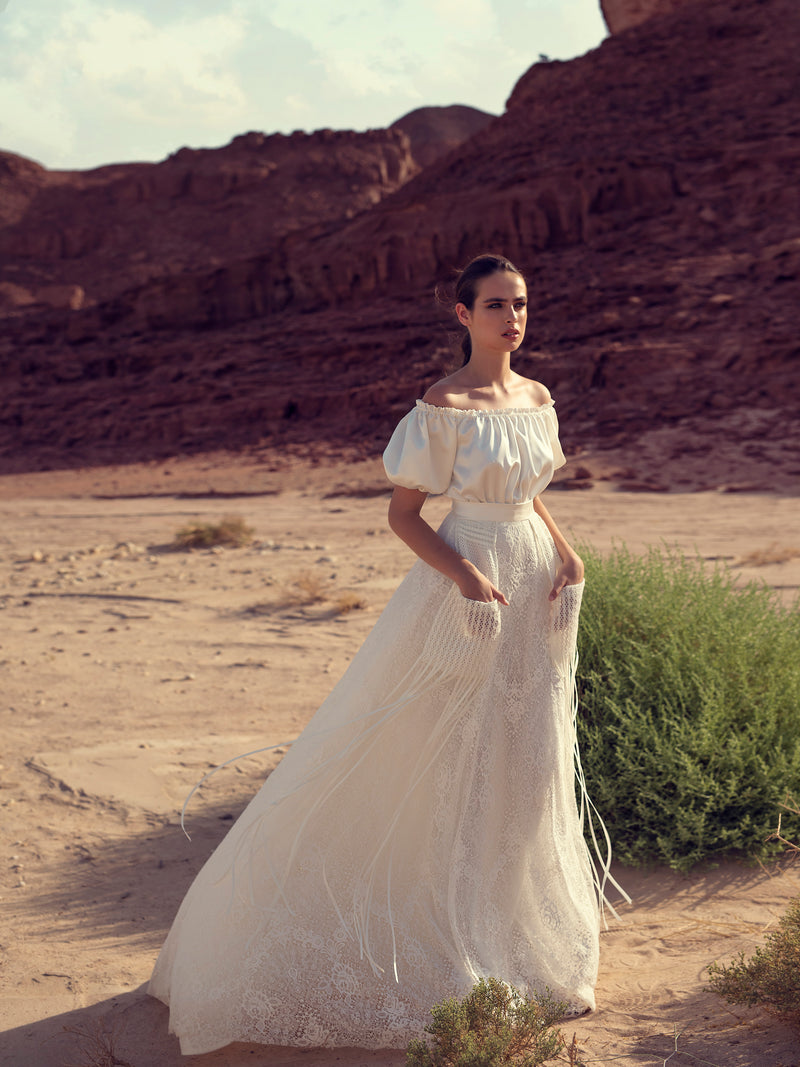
(126, 895)
(136, 1026)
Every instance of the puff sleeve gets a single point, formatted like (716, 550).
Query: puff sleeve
(559, 459)
(422, 450)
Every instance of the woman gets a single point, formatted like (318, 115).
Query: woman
(423, 831)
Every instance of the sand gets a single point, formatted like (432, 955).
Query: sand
(130, 670)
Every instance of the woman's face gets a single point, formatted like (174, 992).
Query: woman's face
(498, 318)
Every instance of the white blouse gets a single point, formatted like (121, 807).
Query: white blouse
(498, 457)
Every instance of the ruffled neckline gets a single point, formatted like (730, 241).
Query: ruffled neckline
(489, 413)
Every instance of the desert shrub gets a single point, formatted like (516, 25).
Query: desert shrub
(96, 1044)
(306, 588)
(771, 977)
(493, 1025)
(232, 531)
(774, 553)
(689, 698)
(348, 601)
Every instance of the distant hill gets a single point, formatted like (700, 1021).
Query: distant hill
(434, 131)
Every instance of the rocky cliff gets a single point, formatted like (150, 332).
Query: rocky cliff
(648, 189)
(76, 238)
(620, 15)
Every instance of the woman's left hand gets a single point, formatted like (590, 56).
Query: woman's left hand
(569, 573)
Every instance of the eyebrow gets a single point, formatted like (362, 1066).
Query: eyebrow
(502, 299)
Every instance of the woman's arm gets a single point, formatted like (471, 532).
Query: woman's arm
(571, 570)
(409, 525)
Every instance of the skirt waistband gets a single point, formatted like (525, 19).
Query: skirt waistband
(469, 509)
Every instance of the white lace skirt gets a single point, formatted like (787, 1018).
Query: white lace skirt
(422, 832)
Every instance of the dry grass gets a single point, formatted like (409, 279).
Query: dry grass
(96, 1045)
(306, 588)
(679, 1052)
(301, 591)
(348, 601)
(309, 588)
(774, 553)
(231, 531)
(792, 849)
(571, 1051)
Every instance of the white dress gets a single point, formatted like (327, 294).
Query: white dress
(423, 831)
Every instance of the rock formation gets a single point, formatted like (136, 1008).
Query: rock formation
(648, 189)
(435, 131)
(114, 227)
(620, 15)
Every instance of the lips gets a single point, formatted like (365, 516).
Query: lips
(511, 333)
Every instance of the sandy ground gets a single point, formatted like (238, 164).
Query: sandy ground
(130, 670)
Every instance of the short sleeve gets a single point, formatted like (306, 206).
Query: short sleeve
(422, 450)
(559, 459)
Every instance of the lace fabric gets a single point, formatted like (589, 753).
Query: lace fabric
(421, 833)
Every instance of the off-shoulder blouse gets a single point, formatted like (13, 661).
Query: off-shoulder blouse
(503, 456)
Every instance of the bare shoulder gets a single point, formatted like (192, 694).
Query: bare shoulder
(446, 393)
(535, 393)
(456, 391)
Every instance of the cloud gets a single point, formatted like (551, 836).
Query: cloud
(98, 80)
(186, 58)
(84, 82)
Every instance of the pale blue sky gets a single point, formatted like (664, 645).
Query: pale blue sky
(86, 82)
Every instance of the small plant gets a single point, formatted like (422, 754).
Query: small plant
(232, 531)
(770, 978)
(491, 1026)
(348, 601)
(306, 588)
(96, 1045)
(790, 848)
(775, 553)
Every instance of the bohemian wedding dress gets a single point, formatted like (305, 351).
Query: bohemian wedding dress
(423, 831)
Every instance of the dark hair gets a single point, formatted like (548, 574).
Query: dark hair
(467, 286)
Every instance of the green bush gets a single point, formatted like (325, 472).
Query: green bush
(689, 707)
(770, 978)
(493, 1025)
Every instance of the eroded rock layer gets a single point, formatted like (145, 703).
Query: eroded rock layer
(127, 224)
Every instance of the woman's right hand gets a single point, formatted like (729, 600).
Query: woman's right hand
(409, 525)
(476, 586)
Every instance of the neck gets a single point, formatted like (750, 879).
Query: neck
(490, 368)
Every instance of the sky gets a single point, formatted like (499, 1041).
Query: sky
(88, 82)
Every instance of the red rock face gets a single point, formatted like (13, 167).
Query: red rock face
(620, 15)
(119, 226)
(649, 191)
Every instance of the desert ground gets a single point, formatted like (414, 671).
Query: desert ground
(130, 670)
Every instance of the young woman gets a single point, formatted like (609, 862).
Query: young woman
(423, 831)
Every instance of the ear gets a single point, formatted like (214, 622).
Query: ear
(463, 314)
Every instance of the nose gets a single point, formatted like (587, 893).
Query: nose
(512, 315)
